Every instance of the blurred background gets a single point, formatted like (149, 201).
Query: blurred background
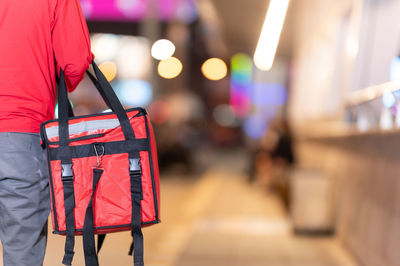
(277, 127)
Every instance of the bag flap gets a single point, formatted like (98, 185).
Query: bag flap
(85, 127)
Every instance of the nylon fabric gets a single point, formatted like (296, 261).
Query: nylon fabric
(87, 127)
(116, 147)
(24, 199)
(98, 126)
(140, 131)
(88, 228)
(113, 199)
(137, 197)
(118, 200)
(33, 38)
(67, 179)
(154, 166)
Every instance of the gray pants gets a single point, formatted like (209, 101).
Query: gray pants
(24, 199)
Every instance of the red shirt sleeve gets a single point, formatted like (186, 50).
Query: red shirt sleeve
(71, 42)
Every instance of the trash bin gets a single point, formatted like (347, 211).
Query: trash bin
(311, 198)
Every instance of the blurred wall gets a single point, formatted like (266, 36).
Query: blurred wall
(364, 170)
(340, 46)
(379, 42)
(323, 59)
(343, 46)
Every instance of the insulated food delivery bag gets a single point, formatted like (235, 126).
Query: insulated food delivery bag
(103, 172)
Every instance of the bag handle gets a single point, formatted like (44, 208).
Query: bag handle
(64, 111)
(107, 93)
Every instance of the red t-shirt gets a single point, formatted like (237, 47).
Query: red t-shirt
(33, 35)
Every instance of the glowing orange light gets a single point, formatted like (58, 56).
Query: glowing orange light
(170, 68)
(214, 69)
(109, 70)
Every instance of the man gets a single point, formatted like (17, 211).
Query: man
(36, 37)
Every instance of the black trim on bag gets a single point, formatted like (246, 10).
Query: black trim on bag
(109, 227)
(78, 138)
(53, 200)
(153, 183)
(115, 147)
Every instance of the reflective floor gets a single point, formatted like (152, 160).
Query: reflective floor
(216, 218)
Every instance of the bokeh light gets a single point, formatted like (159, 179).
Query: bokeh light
(162, 49)
(131, 54)
(133, 93)
(104, 46)
(224, 116)
(241, 84)
(170, 68)
(395, 69)
(109, 70)
(115, 10)
(214, 69)
(242, 68)
(159, 112)
(133, 58)
(127, 6)
(187, 11)
(273, 94)
(388, 99)
(255, 127)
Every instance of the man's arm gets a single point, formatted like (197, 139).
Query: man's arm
(71, 42)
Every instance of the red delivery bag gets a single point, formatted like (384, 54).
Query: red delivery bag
(103, 172)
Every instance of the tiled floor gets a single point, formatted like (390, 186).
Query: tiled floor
(216, 219)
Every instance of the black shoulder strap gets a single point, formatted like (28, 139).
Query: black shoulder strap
(67, 175)
(88, 226)
(135, 171)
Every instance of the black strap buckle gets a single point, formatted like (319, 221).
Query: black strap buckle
(67, 175)
(135, 170)
(135, 167)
